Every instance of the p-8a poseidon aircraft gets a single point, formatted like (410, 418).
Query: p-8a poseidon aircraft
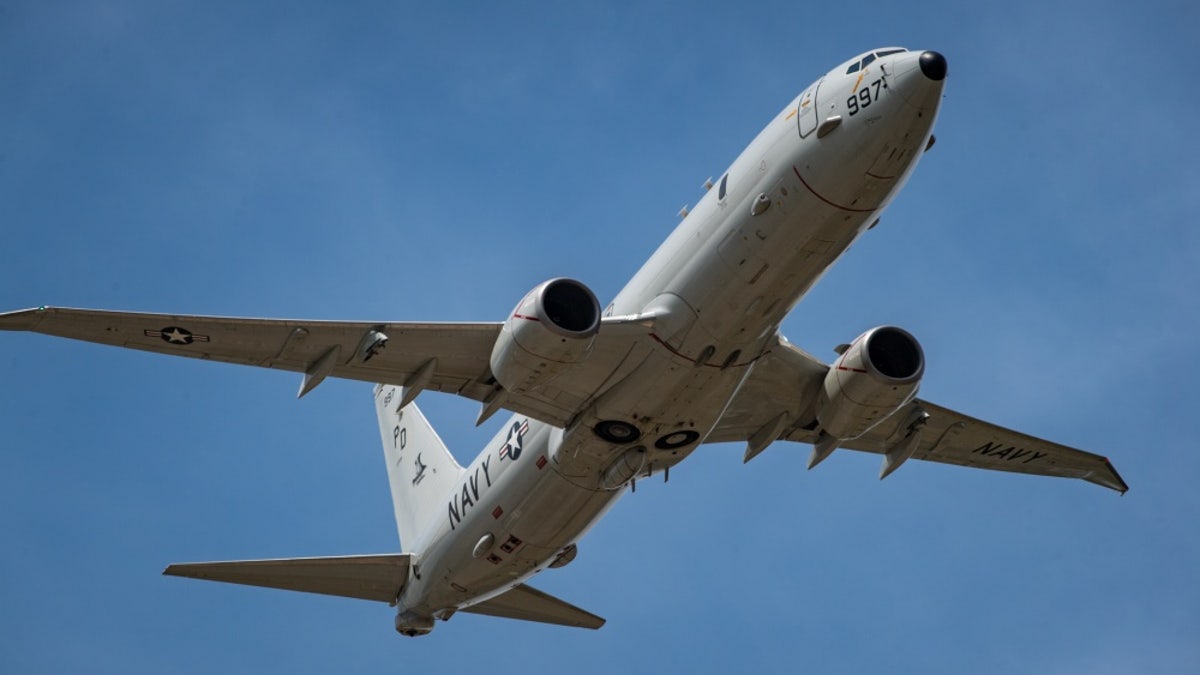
(689, 352)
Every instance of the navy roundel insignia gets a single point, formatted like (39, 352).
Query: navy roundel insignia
(516, 437)
(176, 335)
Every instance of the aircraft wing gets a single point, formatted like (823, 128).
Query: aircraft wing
(447, 357)
(785, 383)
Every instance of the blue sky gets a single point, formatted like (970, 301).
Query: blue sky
(388, 161)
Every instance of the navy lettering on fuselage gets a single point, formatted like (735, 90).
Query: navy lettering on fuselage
(1010, 453)
(468, 496)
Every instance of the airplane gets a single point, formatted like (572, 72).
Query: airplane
(689, 352)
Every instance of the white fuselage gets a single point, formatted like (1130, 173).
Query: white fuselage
(813, 180)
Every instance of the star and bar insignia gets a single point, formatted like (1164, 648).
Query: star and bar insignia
(176, 335)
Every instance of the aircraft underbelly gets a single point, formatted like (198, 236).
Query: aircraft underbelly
(537, 508)
(789, 255)
(720, 323)
(515, 529)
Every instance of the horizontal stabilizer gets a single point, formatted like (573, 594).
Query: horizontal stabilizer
(368, 577)
(529, 604)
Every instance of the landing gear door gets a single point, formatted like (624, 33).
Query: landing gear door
(807, 115)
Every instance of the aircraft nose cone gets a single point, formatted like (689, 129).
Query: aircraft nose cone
(933, 65)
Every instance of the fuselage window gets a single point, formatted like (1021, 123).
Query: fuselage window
(721, 190)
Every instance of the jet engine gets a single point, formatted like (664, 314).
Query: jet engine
(876, 375)
(550, 330)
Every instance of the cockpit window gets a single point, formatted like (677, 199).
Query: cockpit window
(866, 60)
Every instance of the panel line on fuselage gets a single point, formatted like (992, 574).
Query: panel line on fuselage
(822, 198)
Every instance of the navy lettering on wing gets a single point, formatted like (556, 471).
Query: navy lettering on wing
(1010, 453)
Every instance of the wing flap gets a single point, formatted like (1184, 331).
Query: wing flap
(529, 604)
(366, 577)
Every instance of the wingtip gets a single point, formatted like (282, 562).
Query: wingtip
(22, 319)
(1108, 478)
(1121, 485)
(182, 570)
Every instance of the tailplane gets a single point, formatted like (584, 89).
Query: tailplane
(421, 470)
(367, 577)
(380, 578)
(529, 604)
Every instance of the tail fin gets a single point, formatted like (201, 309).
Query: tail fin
(420, 468)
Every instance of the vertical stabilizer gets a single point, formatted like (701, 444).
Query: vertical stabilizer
(421, 470)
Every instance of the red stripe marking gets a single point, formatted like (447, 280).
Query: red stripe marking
(818, 196)
(526, 317)
(842, 359)
(497, 512)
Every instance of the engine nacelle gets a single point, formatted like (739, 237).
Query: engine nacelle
(550, 330)
(877, 375)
